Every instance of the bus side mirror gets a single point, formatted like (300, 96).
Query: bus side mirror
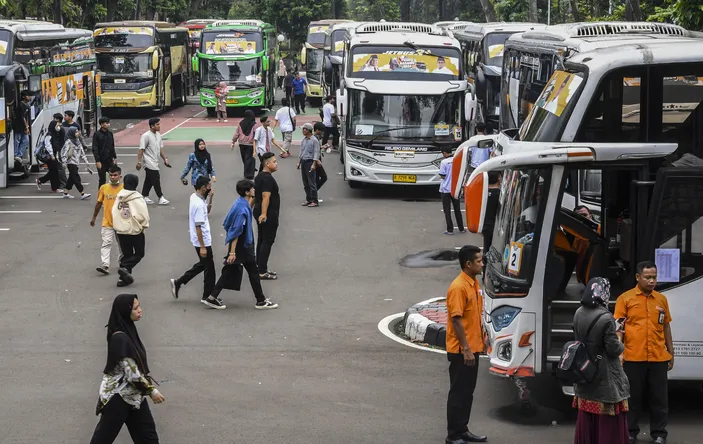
(155, 60)
(470, 104)
(480, 90)
(487, 143)
(475, 199)
(328, 67)
(341, 103)
(194, 63)
(302, 55)
(265, 63)
(460, 162)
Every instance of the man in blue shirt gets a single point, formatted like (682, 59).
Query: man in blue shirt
(300, 87)
(479, 155)
(445, 172)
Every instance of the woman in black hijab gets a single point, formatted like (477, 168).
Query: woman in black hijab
(244, 135)
(126, 381)
(200, 162)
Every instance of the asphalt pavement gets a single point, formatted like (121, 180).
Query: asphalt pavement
(316, 370)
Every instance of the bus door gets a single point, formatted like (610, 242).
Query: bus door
(91, 110)
(673, 238)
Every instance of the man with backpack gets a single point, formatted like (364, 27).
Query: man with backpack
(285, 119)
(104, 149)
(130, 217)
(45, 154)
(464, 344)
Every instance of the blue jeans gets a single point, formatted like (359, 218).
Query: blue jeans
(21, 143)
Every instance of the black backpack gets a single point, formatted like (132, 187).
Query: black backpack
(575, 365)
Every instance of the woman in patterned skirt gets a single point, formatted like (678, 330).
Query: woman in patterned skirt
(126, 382)
(602, 403)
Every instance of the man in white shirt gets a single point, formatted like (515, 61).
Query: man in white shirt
(371, 64)
(329, 119)
(200, 237)
(150, 148)
(442, 67)
(263, 138)
(285, 118)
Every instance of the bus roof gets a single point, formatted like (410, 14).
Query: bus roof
(400, 27)
(199, 21)
(328, 22)
(138, 23)
(31, 30)
(455, 25)
(345, 25)
(239, 24)
(400, 38)
(476, 31)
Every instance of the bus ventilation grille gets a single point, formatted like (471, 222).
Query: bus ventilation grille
(628, 28)
(399, 26)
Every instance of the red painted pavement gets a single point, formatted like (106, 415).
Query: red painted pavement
(437, 312)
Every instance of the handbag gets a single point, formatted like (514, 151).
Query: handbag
(576, 366)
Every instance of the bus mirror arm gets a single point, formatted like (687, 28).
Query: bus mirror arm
(560, 62)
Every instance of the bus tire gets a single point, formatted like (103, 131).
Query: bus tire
(211, 111)
(341, 157)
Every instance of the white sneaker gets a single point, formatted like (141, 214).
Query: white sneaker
(85, 196)
(329, 150)
(68, 196)
(225, 120)
(148, 201)
(164, 201)
(38, 185)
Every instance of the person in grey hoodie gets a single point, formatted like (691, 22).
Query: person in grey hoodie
(602, 403)
(73, 153)
(130, 217)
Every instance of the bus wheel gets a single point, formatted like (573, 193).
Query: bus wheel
(211, 111)
(341, 157)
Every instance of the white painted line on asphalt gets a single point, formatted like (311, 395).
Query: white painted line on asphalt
(31, 197)
(4, 229)
(383, 328)
(203, 111)
(177, 126)
(20, 211)
(44, 172)
(121, 155)
(44, 184)
(127, 147)
(463, 211)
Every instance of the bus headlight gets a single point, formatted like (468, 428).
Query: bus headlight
(437, 162)
(505, 351)
(253, 94)
(145, 90)
(208, 95)
(362, 158)
(501, 317)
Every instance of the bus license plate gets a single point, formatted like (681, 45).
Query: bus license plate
(120, 104)
(404, 154)
(405, 178)
(120, 81)
(232, 101)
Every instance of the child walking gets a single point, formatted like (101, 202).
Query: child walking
(221, 107)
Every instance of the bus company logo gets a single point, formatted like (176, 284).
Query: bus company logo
(406, 148)
(416, 52)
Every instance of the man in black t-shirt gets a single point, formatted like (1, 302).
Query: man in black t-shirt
(267, 206)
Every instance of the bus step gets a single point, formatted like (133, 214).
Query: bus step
(554, 355)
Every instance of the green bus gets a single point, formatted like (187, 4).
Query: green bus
(244, 55)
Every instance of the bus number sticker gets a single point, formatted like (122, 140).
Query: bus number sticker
(441, 129)
(515, 258)
(363, 130)
(119, 60)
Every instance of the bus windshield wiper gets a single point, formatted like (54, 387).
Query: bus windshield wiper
(411, 45)
(378, 134)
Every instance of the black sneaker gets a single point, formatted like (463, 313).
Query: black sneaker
(125, 276)
(121, 283)
(175, 288)
(215, 303)
(265, 305)
(103, 269)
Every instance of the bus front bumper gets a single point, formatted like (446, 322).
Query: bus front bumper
(237, 98)
(315, 91)
(128, 99)
(387, 175)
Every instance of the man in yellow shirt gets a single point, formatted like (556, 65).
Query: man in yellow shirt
(464, 344)
(106, 197)
(648, 351)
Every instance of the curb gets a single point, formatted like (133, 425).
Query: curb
(426, 322)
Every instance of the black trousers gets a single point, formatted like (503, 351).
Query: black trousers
(205, 264)
(248, 260)
(73, 178)
(133, 247)
(648, 379)
(102, 172)
(264, 241)
(309, 180)
(334, 132)
(116, 413)
(321, 176)
(289, 95)
(152, 179)
(63, 179)
(447, 202)
(299, 103)
(248, 160)
(462, 382)
(52, 175)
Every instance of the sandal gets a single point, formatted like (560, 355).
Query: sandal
(305, 204)
(267, 277)
(313, 205)
(272, 273)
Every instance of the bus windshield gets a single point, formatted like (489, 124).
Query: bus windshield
(495, 43)
(405, 63)
(420, 117)
(316, 34)
(231, 42)
(5, 40)
(337, 46)
(550, 113)
(520, 200)
(245, 73)
(130, 37)
(124, 63)
(314, 59)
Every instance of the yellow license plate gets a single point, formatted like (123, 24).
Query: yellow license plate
(120, 104)
(232, 101)
(405, 178)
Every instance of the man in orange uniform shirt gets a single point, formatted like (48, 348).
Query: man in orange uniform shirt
(464, 344)
(648, 351)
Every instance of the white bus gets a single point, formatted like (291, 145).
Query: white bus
(633, 113)
(57, 66)
(401, 100)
